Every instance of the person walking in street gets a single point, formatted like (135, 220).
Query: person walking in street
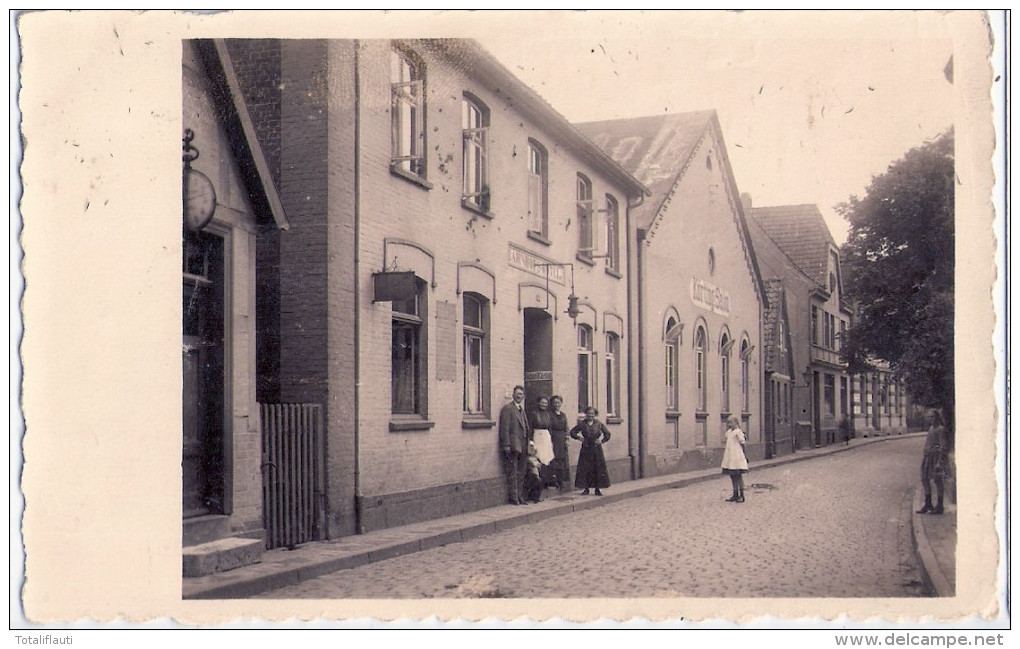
(845, 430)
(591, 462)
(935, 462)
(734, 461)
(514, 434)
(558, 426)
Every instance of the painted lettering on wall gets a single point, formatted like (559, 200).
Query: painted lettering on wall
(710, 297)
(532, 263)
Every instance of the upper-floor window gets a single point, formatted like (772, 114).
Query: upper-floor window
(408, 355)
(612, 233)
(585, 216)
(585, 368)
(407, 78)
(842, 335)
(538, 187)
(612, 375)
(476, 354)
(814, 325)
(475, 122)
(782, 366)
(700, 373)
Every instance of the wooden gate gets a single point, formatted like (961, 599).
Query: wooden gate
(293, 473)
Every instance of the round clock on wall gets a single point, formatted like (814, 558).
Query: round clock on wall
(199, 199)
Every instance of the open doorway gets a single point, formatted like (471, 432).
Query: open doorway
(537, 356)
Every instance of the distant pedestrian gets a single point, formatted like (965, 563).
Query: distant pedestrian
(591, 462)
(558, 426)
(845, 430)
(734, 460)
(935, 462)
(514, 433)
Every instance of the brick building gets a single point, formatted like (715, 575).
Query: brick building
(797, 250)
(443, 220)
(698, 297)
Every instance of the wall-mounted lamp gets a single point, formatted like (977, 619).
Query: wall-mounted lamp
(572, 307)
(198, 192)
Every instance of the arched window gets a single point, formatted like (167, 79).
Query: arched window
(745, 375)
(672, 350)
(724, 370)
(585, 368)
(700, 373)
(475, 122)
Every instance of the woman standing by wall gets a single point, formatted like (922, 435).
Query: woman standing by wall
(591, 462)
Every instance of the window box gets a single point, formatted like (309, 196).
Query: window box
(410, 177)
(472, 207)
(473, 424)
(398, 425)
(535, 236)
(614, 273)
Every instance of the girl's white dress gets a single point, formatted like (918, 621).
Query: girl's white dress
(733, 455)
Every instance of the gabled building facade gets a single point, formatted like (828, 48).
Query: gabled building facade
(698, 298)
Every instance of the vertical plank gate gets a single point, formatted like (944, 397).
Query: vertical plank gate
(293, 473)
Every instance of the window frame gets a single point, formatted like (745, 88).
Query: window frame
(480, 334)
(418, 323)
(612, 233)
(612, 360)
(701, 367)
(724, 372)
(475, 192)
(538, 190)
(407, 104)
(745, 376)
(587, 394)
(672, 365)
(584, 198)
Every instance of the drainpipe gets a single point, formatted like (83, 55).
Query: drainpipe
(357, 293)
(642, 233)
(631, 427)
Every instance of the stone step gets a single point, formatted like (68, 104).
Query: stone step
(202, 529)
(220, 555)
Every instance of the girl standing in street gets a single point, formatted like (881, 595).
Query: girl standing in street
(734, 461)
(558, 431)
(591, 462)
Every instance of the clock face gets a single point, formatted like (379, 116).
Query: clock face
(199, 199)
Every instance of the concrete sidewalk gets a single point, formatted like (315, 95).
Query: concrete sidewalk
(934, 536)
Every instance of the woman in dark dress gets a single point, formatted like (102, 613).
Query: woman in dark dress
(591, 463)
(558, 431)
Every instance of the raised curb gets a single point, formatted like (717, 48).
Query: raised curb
(323, 559)
(935, 580)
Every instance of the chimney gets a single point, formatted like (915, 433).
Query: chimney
(745, 200)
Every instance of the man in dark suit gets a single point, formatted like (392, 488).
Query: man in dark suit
(514, 433)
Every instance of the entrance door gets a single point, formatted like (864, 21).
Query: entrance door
(203, 414)
(537, 356)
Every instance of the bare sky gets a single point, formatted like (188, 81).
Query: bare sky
(811, 105)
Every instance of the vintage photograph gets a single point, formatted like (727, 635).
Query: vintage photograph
(625, 314)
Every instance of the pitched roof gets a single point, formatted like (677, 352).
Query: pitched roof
(800, 231)
(654, 149)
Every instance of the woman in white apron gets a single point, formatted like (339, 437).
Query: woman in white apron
(540, 420)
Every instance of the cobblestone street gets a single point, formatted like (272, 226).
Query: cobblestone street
(835, 526)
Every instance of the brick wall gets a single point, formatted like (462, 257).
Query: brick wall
(397, 462)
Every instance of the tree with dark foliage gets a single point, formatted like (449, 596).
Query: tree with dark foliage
(899, 265)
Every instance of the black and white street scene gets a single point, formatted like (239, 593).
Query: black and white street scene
(557, 306)
(482, 341)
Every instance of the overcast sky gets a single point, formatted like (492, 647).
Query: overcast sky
(811, 106)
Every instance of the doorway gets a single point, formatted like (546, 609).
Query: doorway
(537, 356)
(203, 375)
